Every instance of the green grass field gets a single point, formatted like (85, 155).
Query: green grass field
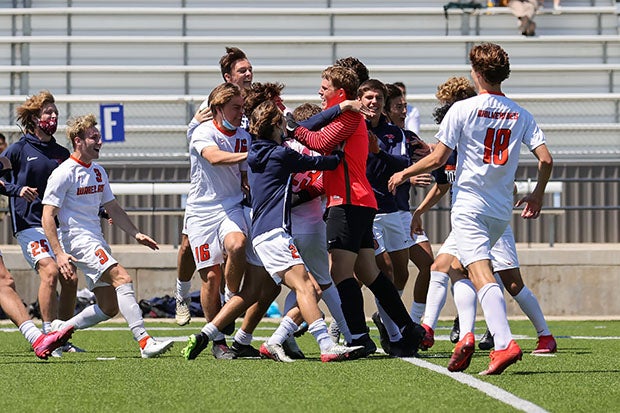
(583, 376)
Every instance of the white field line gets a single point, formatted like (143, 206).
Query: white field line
(487, 388)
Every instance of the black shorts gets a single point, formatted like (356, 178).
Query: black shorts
(349, 227)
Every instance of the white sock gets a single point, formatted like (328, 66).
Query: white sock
(465, 301)
(183, 288)
(390, 326)
(417, 311)
(494, 308)
(436, 297)
(286, 328)
(46, 327)
(242, 337)
(88, 317)
(530, 306)
(332, 299)
(290, 301)
(319, 330)
(212, 332)
(30, 331)
(130, 310)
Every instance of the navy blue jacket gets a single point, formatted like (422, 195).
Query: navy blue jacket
(380, 167)
(271, 166)
(32, 162)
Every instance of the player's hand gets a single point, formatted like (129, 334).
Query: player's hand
(421, 180)
(533, 205)
(204, 115)
(355, 106)
(396, 180)
(146, 240)
(28, 193)
(5, 162)
(66, 265)
(416, 225)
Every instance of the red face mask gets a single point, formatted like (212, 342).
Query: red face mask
(48, 126)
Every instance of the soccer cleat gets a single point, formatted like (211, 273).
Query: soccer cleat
(429, 338)
(334, 331)
(486, 341)
(46, 343)
(292, 349)
(464, 350)
(243, 351)
(501, 359)
(67, 348)
(545, 345)
(301, 330)
(368, 347)
(384, 337)
(221, 351)
(338, 353)
(274, 352)
(456, 331)
(182, 315)
(195, 344)
(154, 348)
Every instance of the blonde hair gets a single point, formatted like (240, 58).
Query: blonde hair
(222, 94)
(455, 89)
(306, 111)
(78, 125)
(265, 119)
(32, 107)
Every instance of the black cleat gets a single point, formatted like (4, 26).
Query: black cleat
(221, 351)
(244, 351)
(384, 338)
(486, 342)
(292, 350)
(456, 331)
(368, 347)
(195, 344)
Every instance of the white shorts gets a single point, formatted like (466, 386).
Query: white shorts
(389, 233)
(35, 245)
(504, 252)
(206, 235)
(277, 251)
(405, 216)
(449, 246)
(93, 255)
(184, 230)
(475, 235)
(313, 251)
(250, 254)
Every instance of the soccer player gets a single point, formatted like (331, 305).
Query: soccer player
(487, 130)
(351, 209)
(74, 194)
(33, 158)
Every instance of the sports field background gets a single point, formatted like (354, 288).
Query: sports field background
(583, 376)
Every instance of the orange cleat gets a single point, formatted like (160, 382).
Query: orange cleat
(463, 352)
(501, 359)
(546, 344)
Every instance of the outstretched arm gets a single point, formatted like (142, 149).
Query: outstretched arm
(122, 220)
(434, 160)
(533, 202)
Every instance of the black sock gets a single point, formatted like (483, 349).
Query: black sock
(352, 305)
(390, 300)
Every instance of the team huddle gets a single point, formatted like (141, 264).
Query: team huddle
(316, 199)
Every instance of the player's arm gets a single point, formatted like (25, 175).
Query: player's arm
(64, 260)
(332, 135)
(533, 202)
(216, 156)
(429, 163)
(122, 220)
(431, 199)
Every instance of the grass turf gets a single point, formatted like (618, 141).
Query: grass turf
(111, 376)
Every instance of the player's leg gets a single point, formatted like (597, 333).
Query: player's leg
(186, 266)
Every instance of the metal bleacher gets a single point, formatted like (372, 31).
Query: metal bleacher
(159, 58)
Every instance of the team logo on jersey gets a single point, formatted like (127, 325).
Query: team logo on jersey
(389, 137)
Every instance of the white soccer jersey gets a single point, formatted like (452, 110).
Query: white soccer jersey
(78, 189)
(214, 186)
(487, 130)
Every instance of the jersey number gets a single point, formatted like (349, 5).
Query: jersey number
(103, 257)
(37, 247)
(98, 175)
(293, 250)
(241, 145)
(202, 252)
(496, 146)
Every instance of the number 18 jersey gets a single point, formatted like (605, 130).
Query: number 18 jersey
(487, 130)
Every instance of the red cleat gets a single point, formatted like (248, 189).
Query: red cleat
(46, 343)
(546, 344)
(429, 338)
(463, 352)
(501, 359)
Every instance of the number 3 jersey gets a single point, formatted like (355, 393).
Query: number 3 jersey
(487, 130)
(78, 189)
(215, 187)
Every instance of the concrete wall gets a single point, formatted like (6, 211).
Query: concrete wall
(568, 279)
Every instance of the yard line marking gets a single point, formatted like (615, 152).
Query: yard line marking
(487, 388)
